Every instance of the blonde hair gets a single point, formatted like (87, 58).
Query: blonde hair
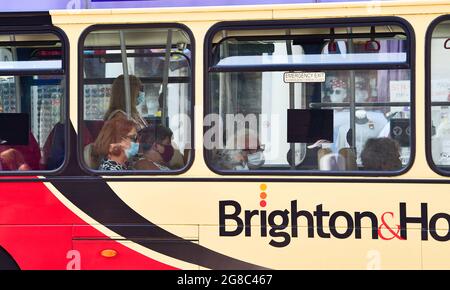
(118, 100)
(111, 133)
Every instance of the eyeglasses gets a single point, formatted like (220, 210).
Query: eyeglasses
(132, 138)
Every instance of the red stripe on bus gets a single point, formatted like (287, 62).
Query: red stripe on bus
(37, 230)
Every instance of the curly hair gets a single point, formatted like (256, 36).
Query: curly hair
(381, 154)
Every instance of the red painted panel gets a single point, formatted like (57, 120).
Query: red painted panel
(32, 203)
(91, 258)
(37, 230)
(37, 247)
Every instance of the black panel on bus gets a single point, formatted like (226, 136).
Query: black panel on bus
(308, 126)
(14, 128)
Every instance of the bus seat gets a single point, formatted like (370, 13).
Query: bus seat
(332, 162)
(350, 158)
(322, 152)
(91, 129)
(186, 155)
(87, 156)
(54, 148)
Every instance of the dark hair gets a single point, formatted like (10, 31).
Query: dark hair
(381, 154)
(152, 134)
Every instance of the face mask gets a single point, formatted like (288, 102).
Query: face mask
(168, 153)
(133, 150)
(338, 95)
(140, 99)
(255, 160)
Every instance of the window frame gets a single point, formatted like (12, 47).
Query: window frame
(428, 96)
(40, 28)
(313, 23)
(80, 102)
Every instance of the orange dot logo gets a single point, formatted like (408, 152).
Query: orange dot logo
(263, 195)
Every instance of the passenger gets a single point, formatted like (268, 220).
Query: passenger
(156, 146)
(381, 154)
(243, 152)
(117, 104)
(13, 160)
(31, 152)
(116, 144)
(177, 160)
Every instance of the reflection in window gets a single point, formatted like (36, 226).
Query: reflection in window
(250, 97)
(32, 98)
(140, 78)
(440, 96)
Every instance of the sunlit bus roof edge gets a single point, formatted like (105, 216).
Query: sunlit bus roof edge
(243, 5)
(46, 5)
(258, 12)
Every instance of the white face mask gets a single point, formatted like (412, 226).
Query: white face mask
(140, 99)
(255, 160)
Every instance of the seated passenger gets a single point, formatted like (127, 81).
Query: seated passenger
(117, 102)
(115, 144)
(156, 146)
(243, 152)
(13, 160)
(381, 154)
(116, 159)
(31, 152)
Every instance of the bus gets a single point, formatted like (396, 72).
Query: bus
(268, 136)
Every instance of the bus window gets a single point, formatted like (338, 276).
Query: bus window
(137, 99)
(32, 100)
(333, 99)
(440, 96)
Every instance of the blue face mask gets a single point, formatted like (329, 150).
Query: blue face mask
(140, 99)
(133, 150)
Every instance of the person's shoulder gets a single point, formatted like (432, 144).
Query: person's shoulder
(144, 164)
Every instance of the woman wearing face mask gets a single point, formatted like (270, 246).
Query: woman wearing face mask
(156, 146)
(116, 144)
(117, 102)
